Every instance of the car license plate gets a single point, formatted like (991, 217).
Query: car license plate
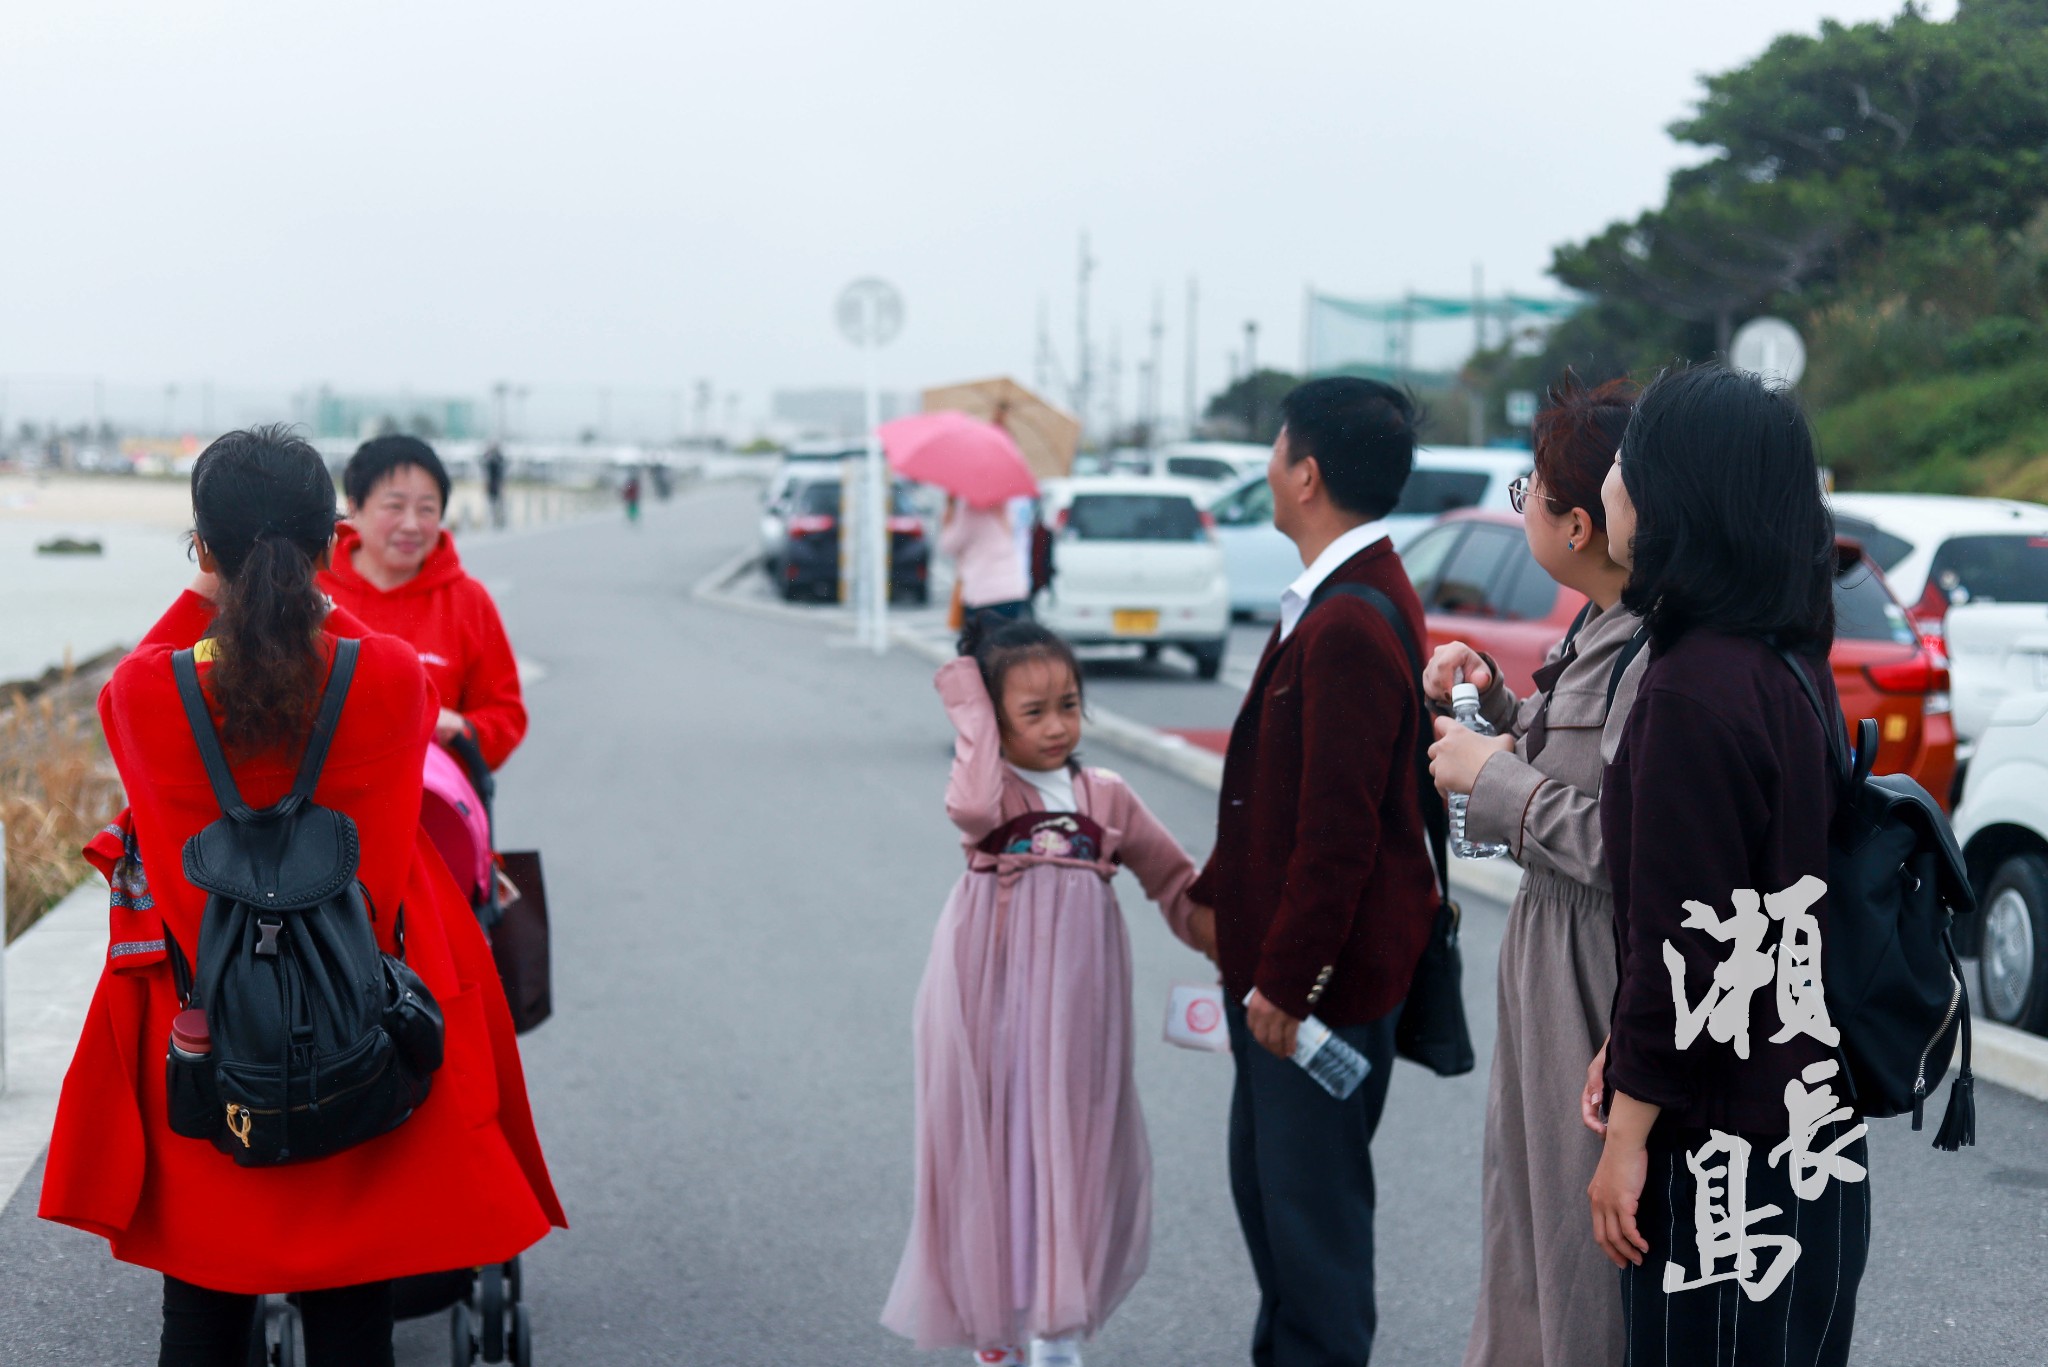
(1133, 622)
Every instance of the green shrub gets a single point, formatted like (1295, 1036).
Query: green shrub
(1994, 343)
(1976, 434)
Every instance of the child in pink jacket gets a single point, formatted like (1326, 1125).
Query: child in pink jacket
(1033, 1203)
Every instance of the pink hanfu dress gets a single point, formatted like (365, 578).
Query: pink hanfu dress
(1034, 1178)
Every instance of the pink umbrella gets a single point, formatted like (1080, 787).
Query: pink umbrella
(975, 460)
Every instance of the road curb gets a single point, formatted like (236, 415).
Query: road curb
(2011, 1058)
(52, 968)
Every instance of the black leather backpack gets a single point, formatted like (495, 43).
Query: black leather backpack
(320, 1040)
(1894, 986)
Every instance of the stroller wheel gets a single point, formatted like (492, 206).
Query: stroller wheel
(515, 1282)
(461, 1342)
(522, 1338)
(286, 1354)
(490, 1309)
(259, 1334)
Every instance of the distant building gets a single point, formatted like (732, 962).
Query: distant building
(360, 416)
(834, 412)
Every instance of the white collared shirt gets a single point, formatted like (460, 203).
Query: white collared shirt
(1294, 601)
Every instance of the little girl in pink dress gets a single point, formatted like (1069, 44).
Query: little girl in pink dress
(1033, 1202)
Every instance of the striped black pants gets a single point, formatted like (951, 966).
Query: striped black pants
(1805, 1322)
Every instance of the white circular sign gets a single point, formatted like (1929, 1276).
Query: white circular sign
(1770, 347)
(870, 312)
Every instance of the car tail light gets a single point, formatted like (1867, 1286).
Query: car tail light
(906, 526)
(1059, 524)
(1925, 673)
(813, 525)
(1208, 524)
(1930, 613)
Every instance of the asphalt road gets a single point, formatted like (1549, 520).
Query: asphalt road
(746, 854)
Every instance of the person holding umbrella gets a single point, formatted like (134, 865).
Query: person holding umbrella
(979, 466)
(982, 543)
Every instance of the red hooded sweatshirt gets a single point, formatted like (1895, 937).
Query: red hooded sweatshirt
(450, 620)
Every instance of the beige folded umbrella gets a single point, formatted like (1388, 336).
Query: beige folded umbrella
(1047, 434)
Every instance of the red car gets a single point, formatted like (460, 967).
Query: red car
(1479, 584)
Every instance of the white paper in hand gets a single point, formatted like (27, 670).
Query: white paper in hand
(1194, 1018)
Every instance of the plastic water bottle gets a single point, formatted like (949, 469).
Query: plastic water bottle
(1465, 707)
(1337, 1068)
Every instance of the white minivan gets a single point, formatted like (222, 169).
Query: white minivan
(1262, 563)
(1135, 561)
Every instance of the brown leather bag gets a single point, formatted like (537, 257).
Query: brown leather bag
(519, 942)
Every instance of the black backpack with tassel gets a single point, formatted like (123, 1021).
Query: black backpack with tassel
(1894, 986)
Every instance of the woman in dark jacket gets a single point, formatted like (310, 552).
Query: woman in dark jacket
(1732, 1189)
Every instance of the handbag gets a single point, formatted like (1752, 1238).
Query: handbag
(514, 908)
(519, 941)
(1431, 1029)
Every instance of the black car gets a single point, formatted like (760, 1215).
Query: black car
(809, 563)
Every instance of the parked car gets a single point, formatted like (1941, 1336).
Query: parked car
(1135, 560)
(800, 542)
(1479, 584)
(1262, 562)
(1973, 573)
(1221, 462)
(2002, 825)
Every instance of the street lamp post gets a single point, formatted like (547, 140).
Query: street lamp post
(1251, 372)
(870, 314)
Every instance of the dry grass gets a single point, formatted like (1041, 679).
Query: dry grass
(57, 787)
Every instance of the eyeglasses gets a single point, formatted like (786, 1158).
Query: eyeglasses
(1518, 497)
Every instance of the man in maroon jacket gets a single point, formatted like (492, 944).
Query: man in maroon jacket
(1320, 876)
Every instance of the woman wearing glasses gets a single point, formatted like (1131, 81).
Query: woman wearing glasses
(1547, 1295)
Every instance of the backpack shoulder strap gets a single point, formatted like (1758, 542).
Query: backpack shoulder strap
(1434, 818)
(1852, 768)
(1571, 633)
(331, 699)
(185, 668)
(1629, 650)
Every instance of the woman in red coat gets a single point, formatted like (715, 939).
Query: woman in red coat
(396, 570)
(460, 1183)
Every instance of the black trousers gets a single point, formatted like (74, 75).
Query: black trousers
(1301, 1174)
(349, 1326)
(1805, 1322)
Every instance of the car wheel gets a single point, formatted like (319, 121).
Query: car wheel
(1208, 658)
(2015, 937)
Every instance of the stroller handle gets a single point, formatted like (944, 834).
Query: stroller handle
(465, 748)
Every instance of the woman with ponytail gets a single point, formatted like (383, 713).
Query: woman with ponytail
(460, 1183)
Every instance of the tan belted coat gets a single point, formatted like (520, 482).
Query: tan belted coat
(1547, 1296)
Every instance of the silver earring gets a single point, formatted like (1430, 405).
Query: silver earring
(1571, 545)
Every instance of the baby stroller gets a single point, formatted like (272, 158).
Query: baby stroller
(485, 1317)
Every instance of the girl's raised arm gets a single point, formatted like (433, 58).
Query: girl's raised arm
(974, 794)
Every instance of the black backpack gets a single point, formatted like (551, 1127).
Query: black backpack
(320, 1040)
(1894, 986)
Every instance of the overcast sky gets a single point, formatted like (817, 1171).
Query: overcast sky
(441, 193)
